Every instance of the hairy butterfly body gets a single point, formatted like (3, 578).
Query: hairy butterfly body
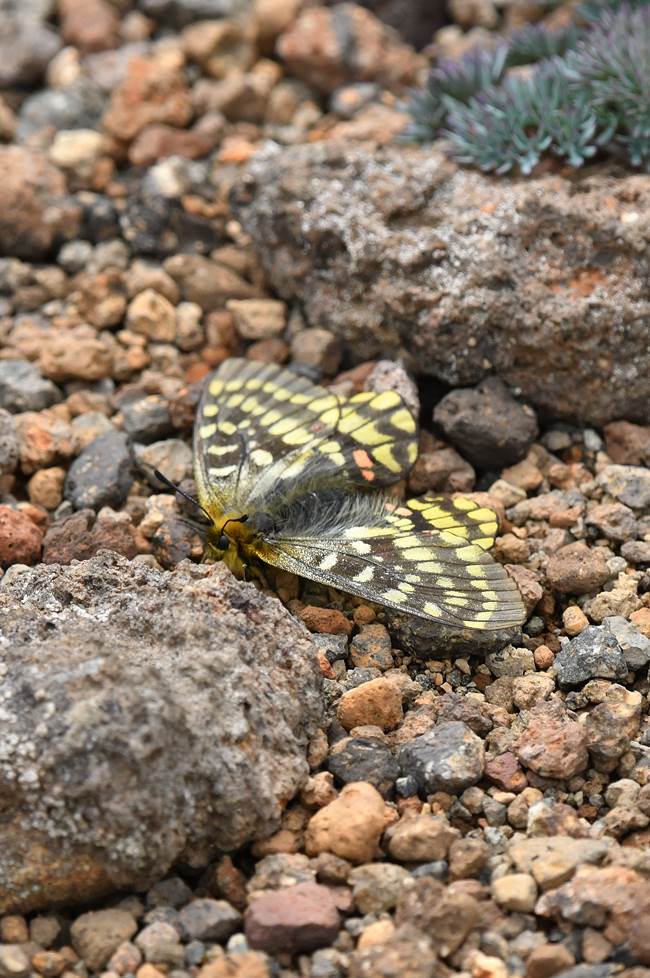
(288, 473)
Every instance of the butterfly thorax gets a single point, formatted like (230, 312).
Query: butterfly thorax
(236, 538)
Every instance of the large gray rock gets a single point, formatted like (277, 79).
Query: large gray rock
(147, 718)
(402, 254)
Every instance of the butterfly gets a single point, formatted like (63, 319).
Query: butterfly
(291, 475)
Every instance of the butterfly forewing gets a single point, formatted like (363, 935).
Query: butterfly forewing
(262, 430)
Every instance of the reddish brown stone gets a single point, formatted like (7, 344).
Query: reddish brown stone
(327, 621)
(578, 569)
(505, 772)
(20, 538)
(157, 141)
(614, 898)
(80, 536)
(296, 919)
(328, 48)
(93, 25)
(552, 745)
(627, 443)
(153, 90)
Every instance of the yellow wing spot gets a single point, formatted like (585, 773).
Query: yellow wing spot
(364, 576)
(328, 562)
(393, 595)
(430, 567)
(361, 532)
(299, 398)
(234, 385)
(406, 588)
(484, 542)
(272, 416)
(348, 422)
(431, 608)
(253, 384)
(269, 387)
(295, 468)
(219, 473)
(445, 582)
(322, 403)
(411, 452)
(235, 400)
(369, 434)
(418, 504)
(481, 515)
(464, 505)
(410, 540)
(490, 606)
(482, 616)
(419, 554)
(250, 404)
(469, 553)
(282, 394)
(361, 547)
(450, 537)
(259, 456)
(216, 387)
(476, 571)
(207, 430)
(457, 602)
(227, 427)
(329, 447)
(384, 455)
(363, 397)
(300, 436)
(403, 420)
(246, 423)
(210, 410)
(386, 400)
(413, 578)
(488, 528)
(222, 449)
(330, 417)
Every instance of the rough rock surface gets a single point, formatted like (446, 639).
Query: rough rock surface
(153, 717)
(404, 255)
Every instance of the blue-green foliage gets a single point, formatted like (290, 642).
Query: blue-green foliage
(589, 91)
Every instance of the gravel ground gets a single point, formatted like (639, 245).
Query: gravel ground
(195, 781)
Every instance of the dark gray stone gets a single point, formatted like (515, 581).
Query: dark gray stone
(630, 484)
(147, 419)
(363, 759)
(156, 719)
(416, 20)
(22, 388)
(182, 12)
(435, 640)
(636, 551)
(77, 106)
(448, 758)
(9, 444)
(486, 424)
(633, 643)
(103, 474)
(210, 920)
(593, 654)
(172, 892)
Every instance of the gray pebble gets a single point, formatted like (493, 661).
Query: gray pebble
(9, 444)
(630, 484)
(633, 643)
(172, 892)
(102, 475)
(593, 654)
(448, 758)
(147, 419)
(210, 920)
(23, 389)
(363, 759)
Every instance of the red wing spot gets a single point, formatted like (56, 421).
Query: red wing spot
(368, 474)
(362, 458)
(403, 512)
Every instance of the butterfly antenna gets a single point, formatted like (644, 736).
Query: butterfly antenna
(242, 459)
(181, 492)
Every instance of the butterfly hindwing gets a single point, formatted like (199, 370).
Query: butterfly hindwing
(398, 558)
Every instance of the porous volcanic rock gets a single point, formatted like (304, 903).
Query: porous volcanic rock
(404, 255)
(153, 717)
